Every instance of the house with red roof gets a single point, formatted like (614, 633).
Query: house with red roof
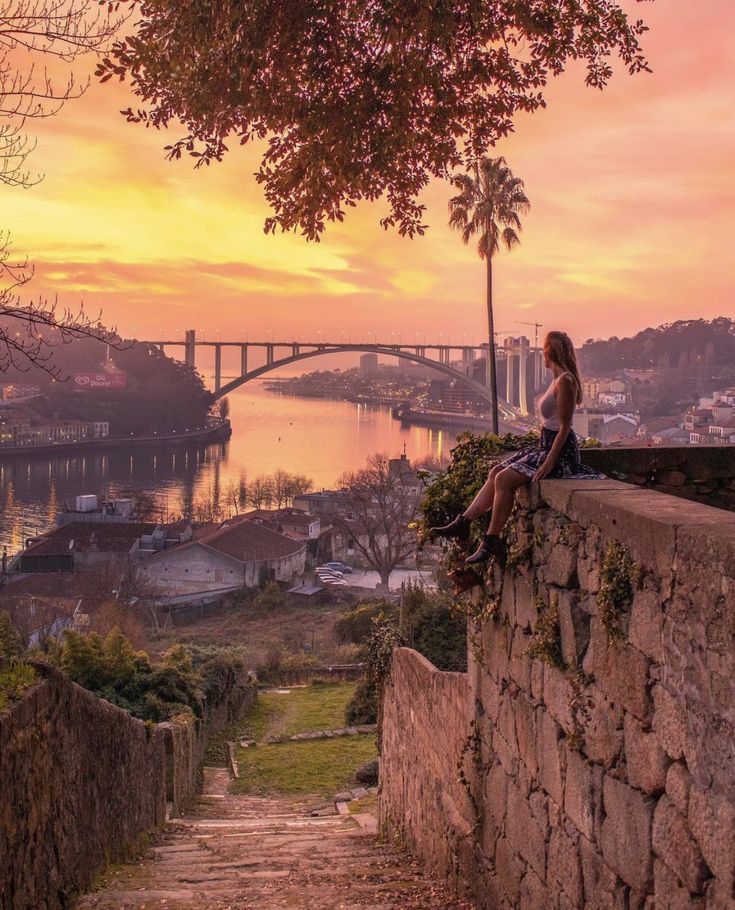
(223, 557)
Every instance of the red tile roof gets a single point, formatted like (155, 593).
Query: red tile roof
(241, 539)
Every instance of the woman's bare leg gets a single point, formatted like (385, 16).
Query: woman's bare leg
(506, 484)
(483, 502)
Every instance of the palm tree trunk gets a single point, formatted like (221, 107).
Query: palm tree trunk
(491, 364)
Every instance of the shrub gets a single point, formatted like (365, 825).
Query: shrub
(15, 677)
(11, 642)
(434, 628)
(355, 626)
(270, 597)
(113, 670)
(362, 708)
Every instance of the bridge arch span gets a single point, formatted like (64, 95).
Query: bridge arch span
(506, 411)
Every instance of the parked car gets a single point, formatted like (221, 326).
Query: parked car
(340, 567)
(331, 569)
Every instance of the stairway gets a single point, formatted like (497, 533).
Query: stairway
(250, 853)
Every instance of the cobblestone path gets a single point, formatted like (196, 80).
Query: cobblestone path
(247, 853)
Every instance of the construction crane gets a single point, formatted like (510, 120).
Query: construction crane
(537, 326)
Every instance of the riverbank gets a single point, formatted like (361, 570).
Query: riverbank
(219, 431)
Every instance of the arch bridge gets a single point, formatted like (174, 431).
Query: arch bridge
(282, 353)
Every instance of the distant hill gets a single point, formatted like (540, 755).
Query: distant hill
(690, 346)
(161, 394)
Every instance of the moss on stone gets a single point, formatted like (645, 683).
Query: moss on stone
(615, 597)
(546, 635)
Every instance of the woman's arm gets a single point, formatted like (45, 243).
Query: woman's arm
(566, 399)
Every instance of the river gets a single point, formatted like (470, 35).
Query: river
(318, 438)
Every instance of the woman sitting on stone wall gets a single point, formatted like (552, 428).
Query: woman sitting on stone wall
(555, 455)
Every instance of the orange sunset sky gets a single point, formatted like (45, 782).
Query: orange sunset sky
(631, 224)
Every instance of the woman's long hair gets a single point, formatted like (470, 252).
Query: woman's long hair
(559, 349)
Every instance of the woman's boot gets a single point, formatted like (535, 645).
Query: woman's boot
(457, 529)
(492, 547)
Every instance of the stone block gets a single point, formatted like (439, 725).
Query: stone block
(526, 837)
(603, 733)
(534, 894)
(525, 605)
(644, 630)
(564, 872)
(678, 782)
(525, 724)
(673, 843)
(588, 573)
(496, 794)
(574, 627)
(620, 671)
(509, 870)
(668, 892)
(582, 793)
(711, 820)
(561, 566)
(520, 662)
(508, 602)
(669, 722)
(496, 644)
(548, 735)
(646, 761)
(558, 696)
(603, 889)
(626, 833)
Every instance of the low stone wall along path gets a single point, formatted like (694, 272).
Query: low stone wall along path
(255, 853)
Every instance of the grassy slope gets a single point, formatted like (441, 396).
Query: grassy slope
(314, 767)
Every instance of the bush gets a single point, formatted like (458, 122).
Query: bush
(15, 677)
(362, 708)
(434, 628)
(11, 642)
(356, 626)
(270, 597)
(113, 670)
(280, 669)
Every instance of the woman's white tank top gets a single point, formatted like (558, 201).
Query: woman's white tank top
(547, 406)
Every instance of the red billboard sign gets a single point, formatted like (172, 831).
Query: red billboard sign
(102, 380)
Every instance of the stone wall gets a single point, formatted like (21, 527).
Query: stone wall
(704, 473)
(81, 783)
(425, 723)
(599, 741)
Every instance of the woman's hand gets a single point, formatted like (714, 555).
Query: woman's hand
(544, 469)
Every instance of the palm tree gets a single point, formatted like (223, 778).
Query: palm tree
(489, 205)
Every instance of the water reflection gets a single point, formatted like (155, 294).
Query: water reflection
(318, 438)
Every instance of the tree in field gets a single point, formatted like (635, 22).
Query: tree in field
(488, 206)
(287, 486)
(381, 510)
(361, 99)
(260, 492)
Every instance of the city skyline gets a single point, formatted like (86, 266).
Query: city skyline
(631, 210)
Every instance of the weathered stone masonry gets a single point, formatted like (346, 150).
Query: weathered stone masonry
(599, 773)
(82, 782)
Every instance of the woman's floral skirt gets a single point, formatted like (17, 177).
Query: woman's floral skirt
(568, 465)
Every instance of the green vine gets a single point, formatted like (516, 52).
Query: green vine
(615, 596)
(546, 635)
(472, 746)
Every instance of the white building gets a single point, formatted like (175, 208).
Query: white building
(220, 558)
